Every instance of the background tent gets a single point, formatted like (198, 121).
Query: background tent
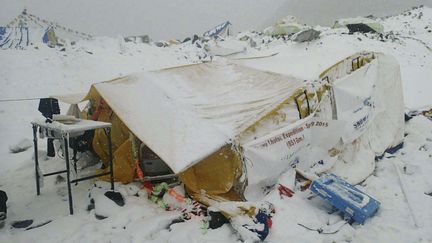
(306, 35)
(360, 24)
(219, 30)
(288, 25)
(50, 37)
(14, 37)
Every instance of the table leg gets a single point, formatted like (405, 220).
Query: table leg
(110, 158)
(35, 143)
(66, 148)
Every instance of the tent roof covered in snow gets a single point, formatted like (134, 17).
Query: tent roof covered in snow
(195, 109)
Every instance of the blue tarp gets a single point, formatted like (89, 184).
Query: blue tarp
(14, 37)
(217, 29)
(45, 38)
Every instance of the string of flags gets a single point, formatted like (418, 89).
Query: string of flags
(25, 17)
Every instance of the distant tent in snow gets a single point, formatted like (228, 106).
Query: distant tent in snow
(359, 24)
(50, 37)
(219, 30)
(40, 30)
(306, 35)
(14, 37)
(21, 37)
(362, 28)
(286, 26)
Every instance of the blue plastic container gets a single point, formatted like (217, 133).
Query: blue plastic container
(352, 202)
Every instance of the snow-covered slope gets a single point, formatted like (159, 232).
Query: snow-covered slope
(34, 73)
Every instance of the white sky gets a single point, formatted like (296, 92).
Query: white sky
(166, 19)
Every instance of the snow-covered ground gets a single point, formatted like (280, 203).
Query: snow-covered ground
(34, 73)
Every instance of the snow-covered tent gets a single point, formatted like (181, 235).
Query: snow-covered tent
(14, 38)
(360, 24)
(306, 35)
(227, 129)
(22, 37)
(195, 119)
(285, 26)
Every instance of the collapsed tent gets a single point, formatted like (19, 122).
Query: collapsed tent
(362, 28)
(286, 26)
(14, 38)
(227, 129)
(219, 30)
(39, 30)
(360, 24)
(22, 37)
(306, 35)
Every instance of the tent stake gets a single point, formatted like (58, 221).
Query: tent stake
(404, 191)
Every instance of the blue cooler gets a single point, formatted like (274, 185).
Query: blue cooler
(349, 200)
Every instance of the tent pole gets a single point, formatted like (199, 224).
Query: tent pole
(66, 151)
(35, 143)
(110, 158)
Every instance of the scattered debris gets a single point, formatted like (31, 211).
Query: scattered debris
(404, 191)
(21, 146)
(22, 223)
(285, 191)
(115, 197)
(39, 225)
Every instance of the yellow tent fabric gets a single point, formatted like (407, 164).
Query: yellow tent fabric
(123, 165)
(216, 174)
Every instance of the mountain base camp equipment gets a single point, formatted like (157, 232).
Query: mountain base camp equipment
(64, 132)
(352, 202)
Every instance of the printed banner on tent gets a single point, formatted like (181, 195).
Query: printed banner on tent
(356, 101)
(271, 155)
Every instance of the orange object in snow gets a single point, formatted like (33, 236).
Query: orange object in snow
(138, 170)
(176, 195)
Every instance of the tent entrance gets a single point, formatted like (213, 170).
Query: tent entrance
(153, 166)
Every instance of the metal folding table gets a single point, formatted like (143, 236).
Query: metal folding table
(63, 132)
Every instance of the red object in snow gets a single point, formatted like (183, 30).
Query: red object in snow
(285, 191)
(269, 223)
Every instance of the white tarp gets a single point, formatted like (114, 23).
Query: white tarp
(184, 114)
(356, 100)
(271, 155)
(385, 126)
(369, 104)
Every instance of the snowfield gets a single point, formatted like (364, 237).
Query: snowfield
(26, 75)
